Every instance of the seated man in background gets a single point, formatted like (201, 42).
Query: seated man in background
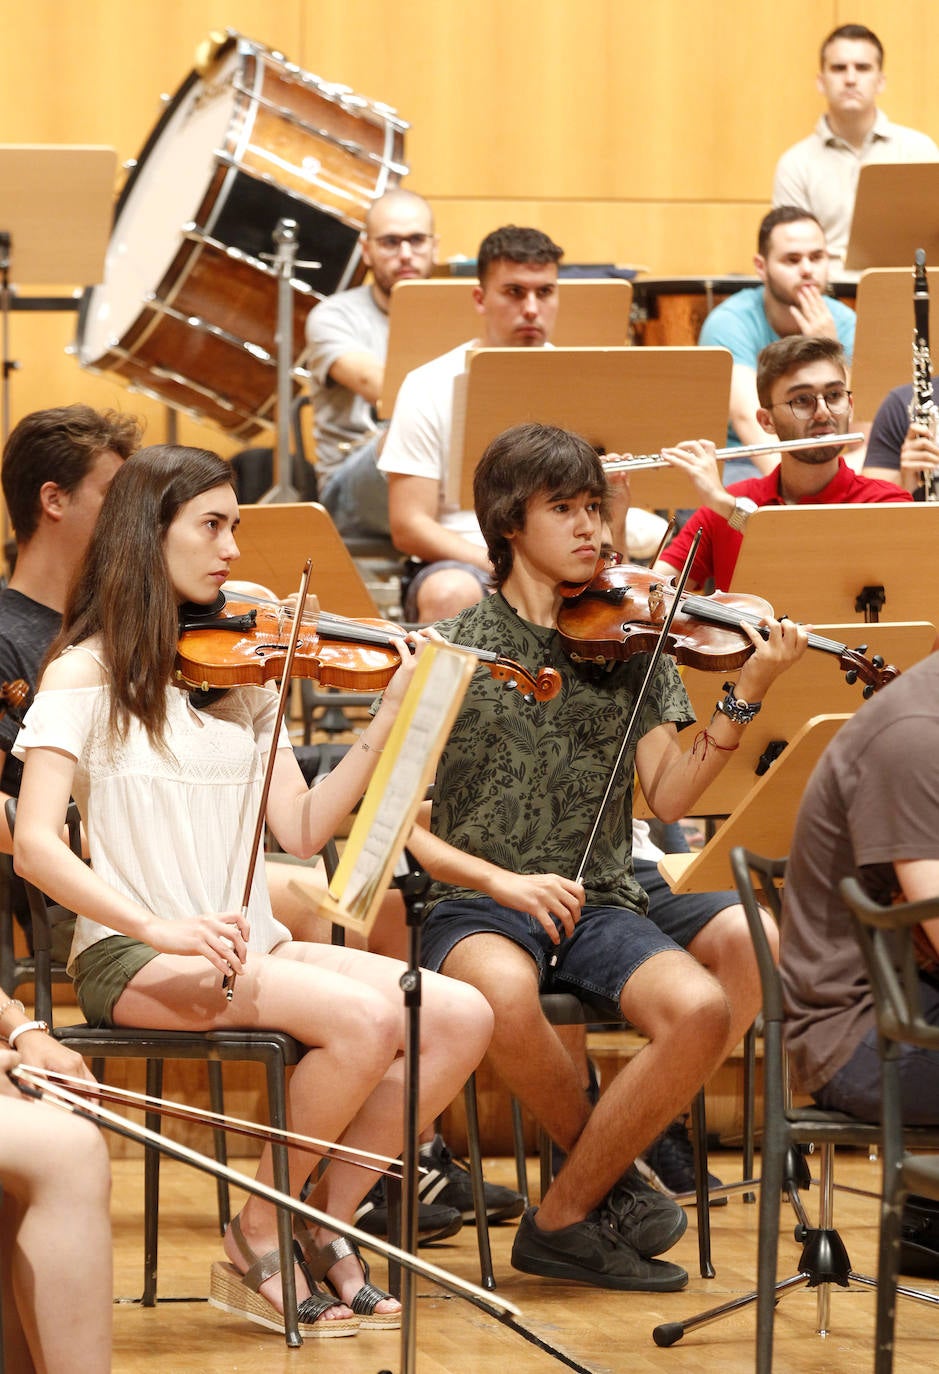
(870, 809)
(822, 171)
(348, 339)
(792, 262)
(902, 448)
(803, 393)
(517, 300)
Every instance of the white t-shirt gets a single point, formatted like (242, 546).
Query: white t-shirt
(171, 831)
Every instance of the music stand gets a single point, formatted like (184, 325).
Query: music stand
(42, 189)
(838, 564)
(427, 318)
(896, 211)
(883, 344)
(276, 540)
(620, 399)
(815, 684)
(763, 821)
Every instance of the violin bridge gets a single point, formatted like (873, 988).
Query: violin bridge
(656, 601)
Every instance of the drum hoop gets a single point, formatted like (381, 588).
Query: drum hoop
(231, 166)
(347, 145)
(191, 233)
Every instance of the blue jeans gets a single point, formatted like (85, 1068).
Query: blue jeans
(356, 493)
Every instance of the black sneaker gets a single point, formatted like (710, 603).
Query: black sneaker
(447, 1182)
(433, 1222)
(646, 1218)
(669, 1164)
(919, 1238)
(591, 1251)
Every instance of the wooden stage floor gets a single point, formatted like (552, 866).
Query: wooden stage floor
(563, 1327)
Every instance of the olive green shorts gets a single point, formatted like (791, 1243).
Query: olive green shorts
(102, 972)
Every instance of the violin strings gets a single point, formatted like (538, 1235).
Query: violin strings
(727, 615)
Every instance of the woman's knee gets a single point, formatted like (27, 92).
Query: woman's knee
(458, 1015)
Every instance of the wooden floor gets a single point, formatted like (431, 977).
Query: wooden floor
(564, 1326)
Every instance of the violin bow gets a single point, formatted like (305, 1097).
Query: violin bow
(639, 703)
(345, 1154)
(35, 1083)
(228, 982)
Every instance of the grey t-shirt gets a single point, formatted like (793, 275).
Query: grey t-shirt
(348, 322)
(873, 798)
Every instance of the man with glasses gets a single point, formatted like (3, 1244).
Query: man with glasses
(792, 263)
(348, 338)
(802, 387)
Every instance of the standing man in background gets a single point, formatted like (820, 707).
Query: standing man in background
(821, 172)
(348, 338)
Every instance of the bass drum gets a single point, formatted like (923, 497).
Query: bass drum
(187, 311)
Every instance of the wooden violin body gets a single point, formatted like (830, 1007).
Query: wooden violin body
(240, 641)
(622, 612)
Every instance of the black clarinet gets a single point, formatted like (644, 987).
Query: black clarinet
(922, 409)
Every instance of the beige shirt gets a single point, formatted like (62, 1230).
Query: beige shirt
(820, 173)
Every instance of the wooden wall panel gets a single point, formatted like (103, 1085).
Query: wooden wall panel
(632, 132)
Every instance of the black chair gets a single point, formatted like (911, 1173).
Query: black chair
(886, 939)
(786, 1129)
(272, 1049)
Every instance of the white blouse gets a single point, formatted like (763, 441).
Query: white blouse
(171, 831)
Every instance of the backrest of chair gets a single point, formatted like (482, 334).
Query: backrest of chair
(39, 916)
(886, 937)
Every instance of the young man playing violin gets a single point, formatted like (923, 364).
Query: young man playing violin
(802, 383)
(517, 796)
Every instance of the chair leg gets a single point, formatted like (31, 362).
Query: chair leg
(277, 1115)
(217, 1103)
(749, 1106)
(487, 1277)
(151, 1189)
(699, 1141)
(518, 1140)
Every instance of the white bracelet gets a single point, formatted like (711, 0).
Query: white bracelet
(17, 1031)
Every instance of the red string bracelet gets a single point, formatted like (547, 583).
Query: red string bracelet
(707, 741)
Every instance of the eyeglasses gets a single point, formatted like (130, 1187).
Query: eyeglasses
(391, 243)
(837, 399)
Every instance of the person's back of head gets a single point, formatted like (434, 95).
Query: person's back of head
(59, 445)
(513, 243)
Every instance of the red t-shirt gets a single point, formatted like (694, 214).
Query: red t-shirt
(720, 545)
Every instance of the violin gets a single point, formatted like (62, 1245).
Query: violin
(239, 641)
(12, 694)
(622, 610)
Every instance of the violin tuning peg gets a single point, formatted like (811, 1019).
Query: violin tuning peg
(877, 661)
(861, 649)
(850, 677)
(529, 698)
(510, 684)
(868, 692)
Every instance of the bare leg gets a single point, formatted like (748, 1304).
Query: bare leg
(724, 947)
(349, 1006)
(57, 1232)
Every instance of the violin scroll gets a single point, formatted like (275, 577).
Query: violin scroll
(873, 672)
(541, 686)
(12, 694)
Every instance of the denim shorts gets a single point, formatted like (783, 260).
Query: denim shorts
(680, 915)
(607, 946)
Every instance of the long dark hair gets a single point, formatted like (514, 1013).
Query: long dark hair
(123, 591)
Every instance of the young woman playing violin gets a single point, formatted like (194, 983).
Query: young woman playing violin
(168, 791)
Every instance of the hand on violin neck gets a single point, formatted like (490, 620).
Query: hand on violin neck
(778, 644)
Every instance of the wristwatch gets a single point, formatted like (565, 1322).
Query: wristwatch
(740, 712)
(744, 507)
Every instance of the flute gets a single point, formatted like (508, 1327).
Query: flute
(653, 460)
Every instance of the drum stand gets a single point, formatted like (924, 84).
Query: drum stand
(285, 260)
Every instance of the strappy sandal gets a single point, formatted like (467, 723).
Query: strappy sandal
(239, 1293)
(319, 1259)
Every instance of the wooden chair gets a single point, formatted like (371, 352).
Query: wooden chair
(274, 1050)
(886, 938)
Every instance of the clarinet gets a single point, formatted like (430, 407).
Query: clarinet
(922, 408)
